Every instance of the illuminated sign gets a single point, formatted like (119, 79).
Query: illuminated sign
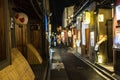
(92, 39)
(118, 12)
(86, 18)
(101, 18)
(116, 41)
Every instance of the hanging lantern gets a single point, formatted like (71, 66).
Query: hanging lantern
(21, 18)
(69, 33)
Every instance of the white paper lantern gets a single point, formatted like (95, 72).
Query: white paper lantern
(21, 18)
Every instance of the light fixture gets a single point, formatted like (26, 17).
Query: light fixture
(62, 34)
(69, 33)
(71, 16)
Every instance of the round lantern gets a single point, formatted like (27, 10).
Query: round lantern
(21, 18)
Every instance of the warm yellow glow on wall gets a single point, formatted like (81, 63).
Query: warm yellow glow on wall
(74, 45)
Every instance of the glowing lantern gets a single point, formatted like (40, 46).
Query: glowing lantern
(62, 34)
(21, 18)
(69, 33)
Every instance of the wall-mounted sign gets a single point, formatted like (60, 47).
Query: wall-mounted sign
(34, 27)
(78, 22)
(116, 43)
(100, 17)
(84, 26)
(86, 17)
(92, 39)
(118, 12)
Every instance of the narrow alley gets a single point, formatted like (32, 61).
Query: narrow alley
(66, 66)
(59, 39)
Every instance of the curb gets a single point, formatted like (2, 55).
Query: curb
(100, 71)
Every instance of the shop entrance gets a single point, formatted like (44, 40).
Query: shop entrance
(109, 33)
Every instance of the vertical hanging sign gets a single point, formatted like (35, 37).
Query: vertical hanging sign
(83, 34)
(116, 43)
(92, 39)
(46, 23)
(118, 12)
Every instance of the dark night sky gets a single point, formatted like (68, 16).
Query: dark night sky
(56, 8)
